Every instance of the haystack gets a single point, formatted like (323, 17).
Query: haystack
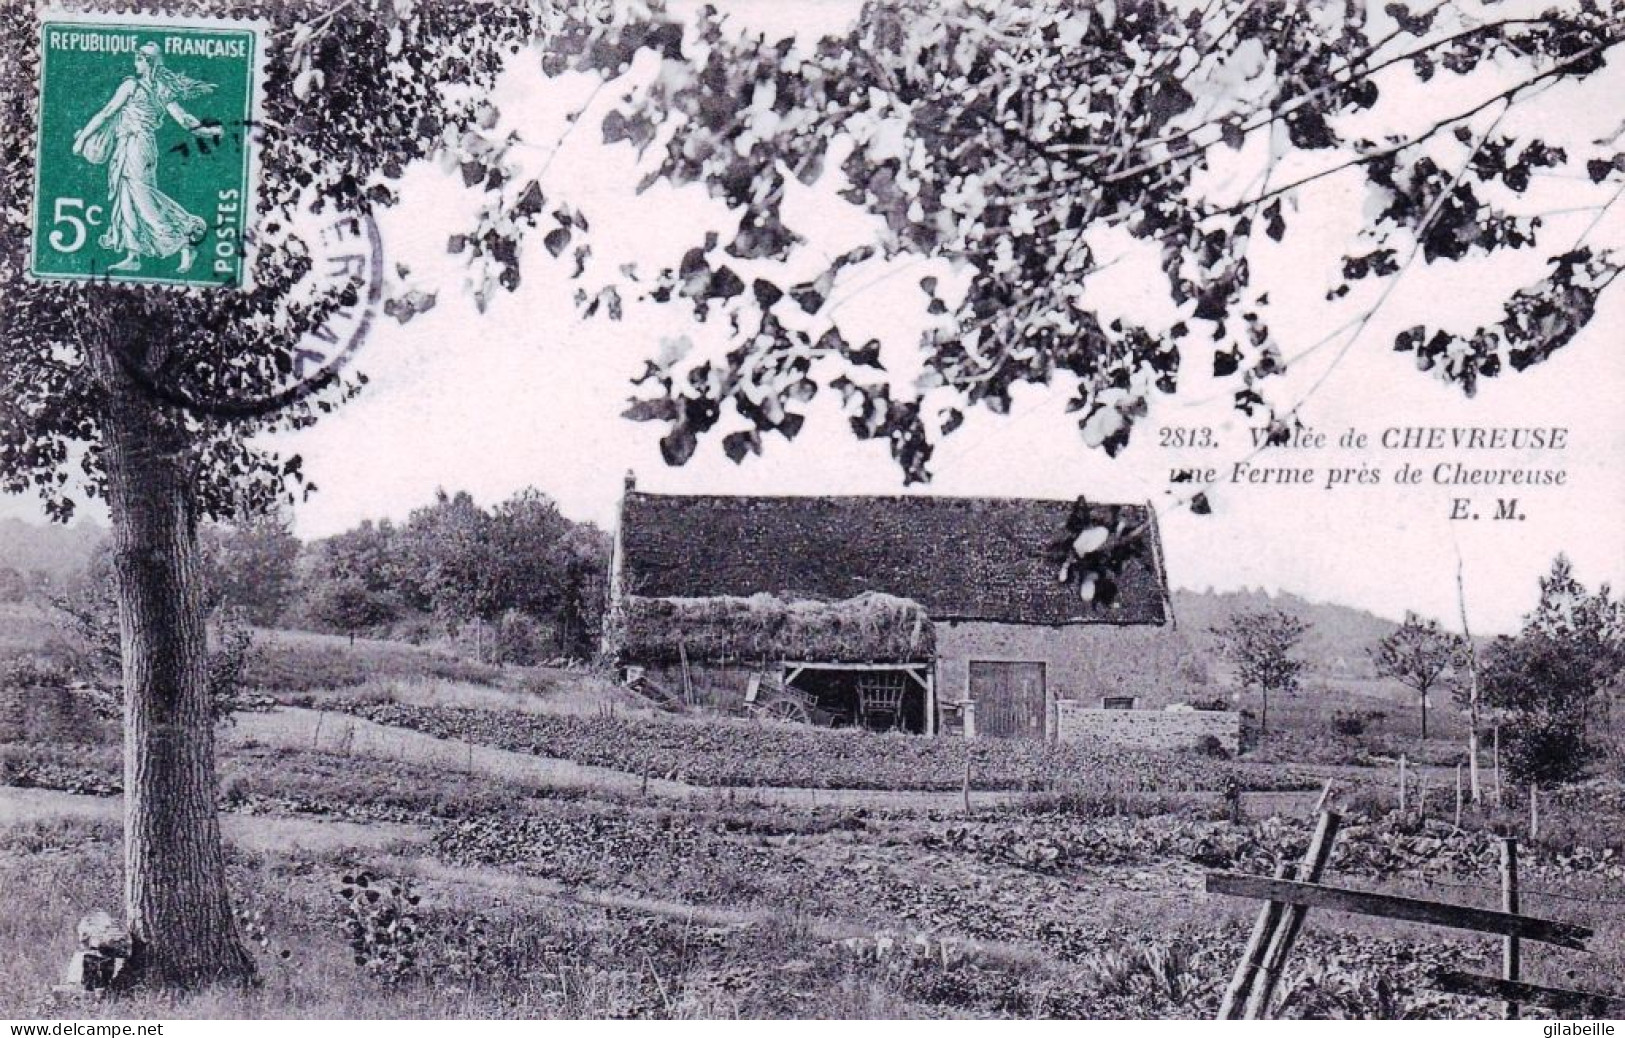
(869, 628)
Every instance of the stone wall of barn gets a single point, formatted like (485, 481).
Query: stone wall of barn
(1146, 729)
(1156, 665)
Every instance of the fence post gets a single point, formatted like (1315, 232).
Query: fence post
(1291, 922)
(1458, 796)
(1325, 798)
(1241, 981)
(1402, 785)
(967, 784)
(688, 688)
(1510, 952)
(1534, 811)
(1500, 801)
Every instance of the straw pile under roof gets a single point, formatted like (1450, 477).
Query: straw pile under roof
(868, 628)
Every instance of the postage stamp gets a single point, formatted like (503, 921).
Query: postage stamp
(144, 163)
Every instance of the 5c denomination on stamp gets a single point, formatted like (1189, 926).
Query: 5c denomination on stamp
(144, 164)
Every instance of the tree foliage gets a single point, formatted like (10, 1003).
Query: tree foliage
(1571, 648)
(349, 103)
(452, 559)
(1018, 147)
(1417, 654)
(1259, 645)
(347, 605)
(522, 568)
(250, 566)
(351, 582)
(155, 400)
(1547, 680)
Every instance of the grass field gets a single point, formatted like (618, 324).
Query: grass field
(577, 854)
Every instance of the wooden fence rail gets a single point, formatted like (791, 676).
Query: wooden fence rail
(1392, 906)
(1287, 902)
(1562, 1000)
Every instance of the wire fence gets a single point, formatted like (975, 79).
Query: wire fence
(1433, 880)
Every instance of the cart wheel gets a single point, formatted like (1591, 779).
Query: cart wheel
(788, 710)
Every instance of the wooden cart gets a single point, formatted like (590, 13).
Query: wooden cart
(768, 695)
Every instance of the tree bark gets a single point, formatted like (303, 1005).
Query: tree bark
(177, 905)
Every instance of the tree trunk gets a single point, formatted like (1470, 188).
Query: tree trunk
(176, 903)
(1473, 719)
(1424, 715)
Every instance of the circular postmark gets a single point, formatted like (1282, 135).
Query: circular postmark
(346, 266)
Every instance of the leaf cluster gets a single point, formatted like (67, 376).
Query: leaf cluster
(1418, 653)
(1260, 645)
(1007, 143)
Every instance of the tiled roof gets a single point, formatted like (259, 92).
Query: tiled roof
(994, 559)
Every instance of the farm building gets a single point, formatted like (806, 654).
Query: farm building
(975, 616)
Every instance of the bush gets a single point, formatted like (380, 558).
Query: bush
(1215, 704)
(1210, 746)
(230, 657)
(28, 672)
(415, 629)
(520, 640)
(394, 940)
(1350, 722)
(1544, 749)
(380, 923)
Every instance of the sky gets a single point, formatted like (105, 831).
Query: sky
(528, 394)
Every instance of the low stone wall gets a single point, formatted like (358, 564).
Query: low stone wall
(1146, 729)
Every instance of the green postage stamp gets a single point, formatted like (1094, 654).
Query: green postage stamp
(144, 164)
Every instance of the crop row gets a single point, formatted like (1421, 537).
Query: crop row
(725, 752)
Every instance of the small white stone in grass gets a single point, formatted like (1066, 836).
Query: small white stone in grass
(74, 975)
(99, 932)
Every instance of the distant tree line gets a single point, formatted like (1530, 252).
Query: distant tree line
(517, 583)
(1550, 691)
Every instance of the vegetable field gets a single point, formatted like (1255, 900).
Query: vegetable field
(1075, 892)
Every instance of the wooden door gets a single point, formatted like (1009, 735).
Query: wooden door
(1009, 699)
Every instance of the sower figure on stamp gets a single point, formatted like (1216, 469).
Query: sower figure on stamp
(142, 220)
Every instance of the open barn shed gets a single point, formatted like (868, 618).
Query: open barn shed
(977, 616)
